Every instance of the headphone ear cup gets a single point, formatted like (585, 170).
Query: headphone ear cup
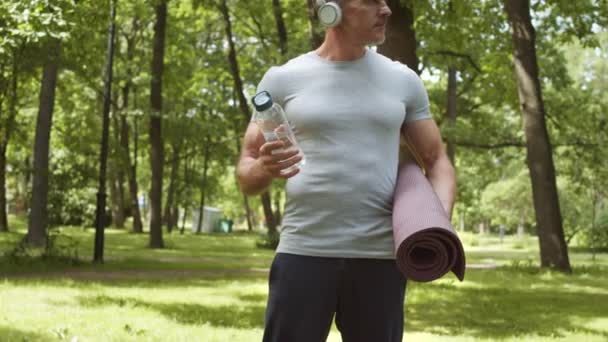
(329, 13)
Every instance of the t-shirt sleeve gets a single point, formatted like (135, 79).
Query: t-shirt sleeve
(270, 82)
(417, 105)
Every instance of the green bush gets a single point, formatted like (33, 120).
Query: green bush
(74, 207)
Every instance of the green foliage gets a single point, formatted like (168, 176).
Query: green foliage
(72, 192)
(509, 201)
(33, 21)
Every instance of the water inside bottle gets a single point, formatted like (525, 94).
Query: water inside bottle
(286, 136)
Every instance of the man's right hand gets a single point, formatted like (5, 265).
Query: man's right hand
(273, 157)
(258, 166)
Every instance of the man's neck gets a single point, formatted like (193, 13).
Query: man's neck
(338, 48)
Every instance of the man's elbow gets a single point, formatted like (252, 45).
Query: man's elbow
(438, 160)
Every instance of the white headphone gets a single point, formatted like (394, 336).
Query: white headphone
(329, 13)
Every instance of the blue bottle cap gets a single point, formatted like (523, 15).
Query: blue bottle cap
(262, 101)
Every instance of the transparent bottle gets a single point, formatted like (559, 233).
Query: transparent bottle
(271, 119)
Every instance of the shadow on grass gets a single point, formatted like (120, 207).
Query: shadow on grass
(137, 279)
(492, 304)
(250, 315)
(12, 334)
(510, 306)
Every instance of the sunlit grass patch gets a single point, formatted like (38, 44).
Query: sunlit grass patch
(214, 288)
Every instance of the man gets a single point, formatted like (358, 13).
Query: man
(348, 106)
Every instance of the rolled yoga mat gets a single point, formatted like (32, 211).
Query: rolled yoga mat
(426, 245)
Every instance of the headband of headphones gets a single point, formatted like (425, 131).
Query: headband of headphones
(329, 13)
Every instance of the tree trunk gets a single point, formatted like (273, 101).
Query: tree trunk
(271, 223)
(5, 138)
(236, 181)
(277, 208)
(281, 30)
(594, 235)
(282, 38)
(38, 220)
(484, 226)
(553, 248)
(238, 84)
(124, 137)
(3, 211)
(316, 31)
(22, 201)
(103, 158)
(131, 173)
(156, 139)
(169, 206)
(452, 111)
(184, 219)
(186, 184)
(401, 44)
(120, 184)
(520, 226)
(174, 216)
(113, 184)
(201, 210)
(117, 192)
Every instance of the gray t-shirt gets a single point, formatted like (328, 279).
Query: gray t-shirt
(346, 118)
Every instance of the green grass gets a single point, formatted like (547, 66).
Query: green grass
(213, 288)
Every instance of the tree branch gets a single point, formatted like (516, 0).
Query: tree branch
(519, 144)
(489, 146)
(459, 55)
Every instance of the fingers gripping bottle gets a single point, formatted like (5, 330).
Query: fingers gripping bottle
(271, 119)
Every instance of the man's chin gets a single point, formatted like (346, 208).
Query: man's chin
(379, 41)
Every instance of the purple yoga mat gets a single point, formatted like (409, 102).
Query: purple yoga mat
(426, 245)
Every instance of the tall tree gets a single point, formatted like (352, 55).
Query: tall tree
(117, 171)
(38, 219)
(169, 218)
(5, 133)
(277, 10)
(103, 157)
(238, 83)
(156, 139)
(401, 43)
(283, 43)
(248, 218)
(553, 248)
(316, 32)
(127, 91)
(451, 112)
(201, 208)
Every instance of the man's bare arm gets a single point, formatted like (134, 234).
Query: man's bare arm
(425, 138)
(257, 165)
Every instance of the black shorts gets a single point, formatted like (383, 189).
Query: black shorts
(366, 295)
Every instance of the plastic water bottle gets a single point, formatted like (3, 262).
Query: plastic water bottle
(271, 119)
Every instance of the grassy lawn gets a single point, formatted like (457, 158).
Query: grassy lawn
(213, 288)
